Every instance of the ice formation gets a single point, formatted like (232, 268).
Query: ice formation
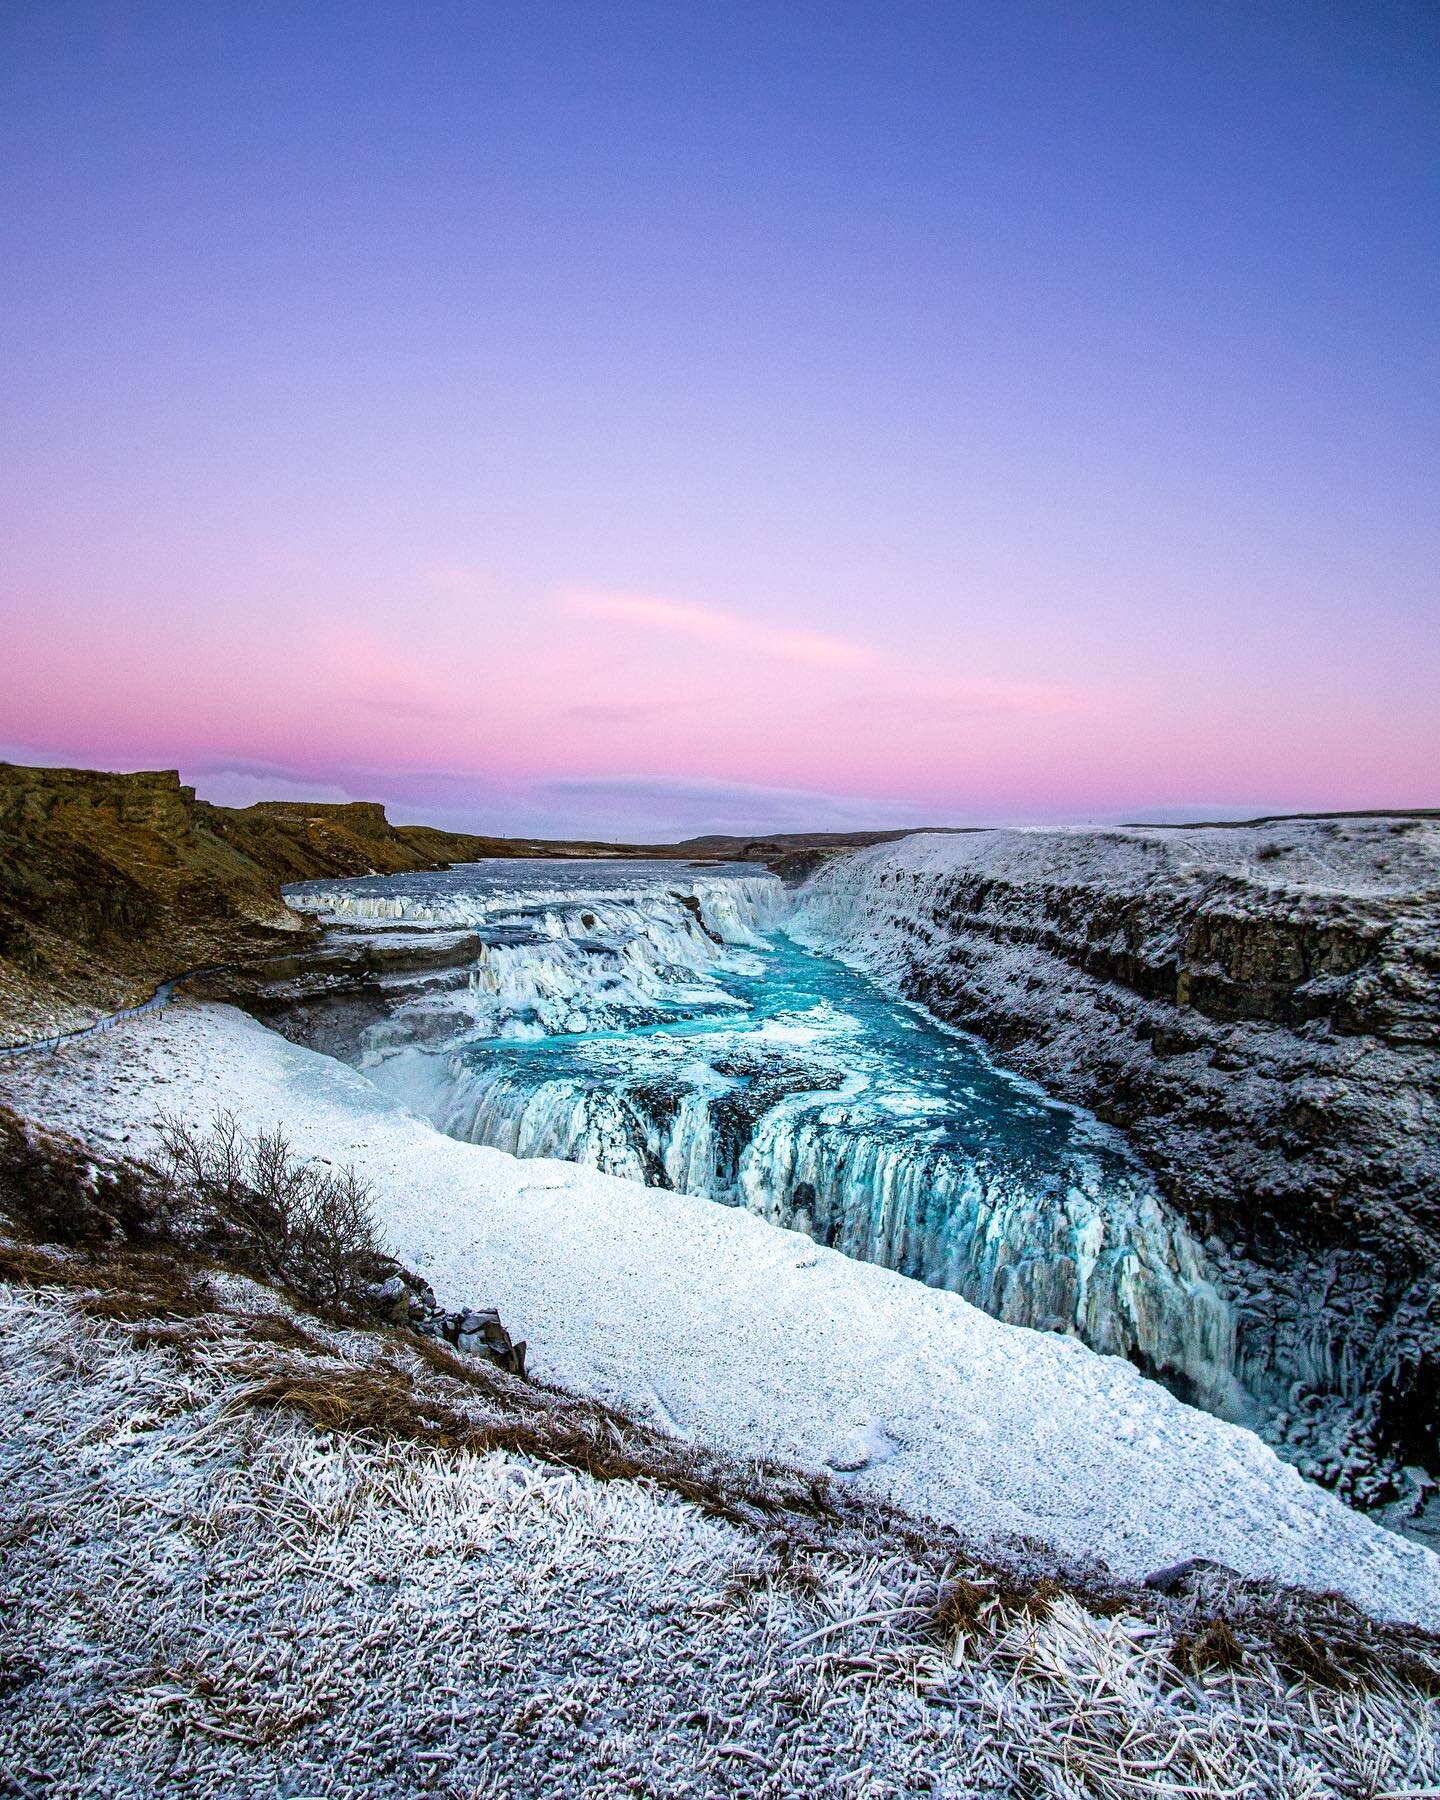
(671, 1030)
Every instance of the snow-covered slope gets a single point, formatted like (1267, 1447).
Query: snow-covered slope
(1258, 1006)
(219, 1582)
(724, 1328)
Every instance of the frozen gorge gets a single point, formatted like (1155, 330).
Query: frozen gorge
(694, 1030)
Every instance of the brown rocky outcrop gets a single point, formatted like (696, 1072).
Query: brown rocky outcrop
(110, 884)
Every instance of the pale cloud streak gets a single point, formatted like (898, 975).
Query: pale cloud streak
(904, 690)
(599, 713)
(714, 625)
(657, 808)
(964, 700)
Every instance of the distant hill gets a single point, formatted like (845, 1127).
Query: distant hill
(791, 854)
(298, 840)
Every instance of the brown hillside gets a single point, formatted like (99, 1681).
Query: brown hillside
(109, 884)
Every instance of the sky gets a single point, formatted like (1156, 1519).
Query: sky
(628, 420)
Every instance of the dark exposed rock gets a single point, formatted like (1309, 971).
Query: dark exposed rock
(403, 1298)
(692, 906)
(1176, 1577)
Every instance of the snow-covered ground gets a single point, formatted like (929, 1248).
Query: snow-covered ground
(724, 1329)
(203, 1592)
(1351, 856)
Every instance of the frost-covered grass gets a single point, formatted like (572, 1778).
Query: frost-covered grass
(217, 1581)
(728, 1332)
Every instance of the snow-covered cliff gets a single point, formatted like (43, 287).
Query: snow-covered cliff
(1258, 1007)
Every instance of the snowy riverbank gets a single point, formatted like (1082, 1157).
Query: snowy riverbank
(725, 1329)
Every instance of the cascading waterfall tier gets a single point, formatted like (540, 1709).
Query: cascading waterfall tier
(617, 956)
(664, 1027)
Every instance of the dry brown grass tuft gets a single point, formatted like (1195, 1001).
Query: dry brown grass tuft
(1330, 1642)
(1213, 1646)
(959, 1608)
(966, 1605)
(129, 1306)
(1346, 1660)
(276, 1328)
(548, 1427)
(439, 1356)
(25, 1267)
(1313, 1659)
(378, 1401)
(556, 1426)
(122, 1284)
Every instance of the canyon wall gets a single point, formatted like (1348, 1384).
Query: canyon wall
(1258, 1008)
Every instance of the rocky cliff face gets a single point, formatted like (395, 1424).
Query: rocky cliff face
(1259, 1008)
(308, 841)
(111, 883)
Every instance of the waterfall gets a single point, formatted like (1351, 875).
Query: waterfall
(552, 964)
(1086, 1249)
(737, 908)
(669, 1031)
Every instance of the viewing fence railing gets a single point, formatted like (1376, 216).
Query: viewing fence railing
(157, 1002)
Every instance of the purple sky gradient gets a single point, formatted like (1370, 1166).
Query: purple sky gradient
(644, 419)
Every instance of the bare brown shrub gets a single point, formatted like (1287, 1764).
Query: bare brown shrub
(305, 1225)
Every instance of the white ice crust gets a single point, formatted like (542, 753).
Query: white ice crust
(1354, 855)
